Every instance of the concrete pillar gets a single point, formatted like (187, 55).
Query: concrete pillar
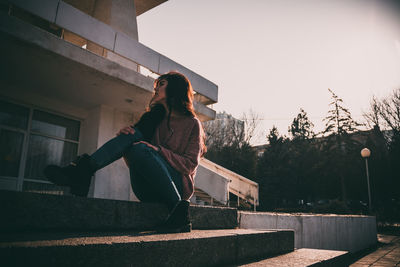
(101, 124)
(120, 15)
(123, 17)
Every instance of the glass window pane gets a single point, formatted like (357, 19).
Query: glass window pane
(54, 125)
(43, 151)
(10, 152)
(13, 115)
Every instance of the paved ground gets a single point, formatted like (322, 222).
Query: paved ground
(303, 257)
(387, 254)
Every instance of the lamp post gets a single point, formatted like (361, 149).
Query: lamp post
(365, 153)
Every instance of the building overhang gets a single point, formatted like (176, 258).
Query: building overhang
(68, 73)
(38, 63)
(143, 6)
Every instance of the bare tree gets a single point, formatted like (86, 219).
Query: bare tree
(226, 130)
(385, 112)
(251, 124)
(372, 116)
(390, 111)
(228, 142)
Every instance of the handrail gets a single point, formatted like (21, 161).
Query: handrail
(77, 22)
(239, 185)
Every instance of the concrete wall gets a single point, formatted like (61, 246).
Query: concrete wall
(334, 232)
(113, 181)
(238, 185)
(213, 184)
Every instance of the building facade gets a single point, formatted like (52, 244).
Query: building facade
(73, 73)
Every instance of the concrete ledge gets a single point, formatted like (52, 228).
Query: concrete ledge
(32, 212)
(306, 257)
(86, 26)
(198, 248)
(46, 10)
(211, 217)
(205, 113)
(74, 20)
(100, 80)
(319, 231)
(130, 48)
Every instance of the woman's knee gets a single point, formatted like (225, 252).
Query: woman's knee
(138, 151)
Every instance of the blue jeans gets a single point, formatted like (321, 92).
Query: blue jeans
(153, 179)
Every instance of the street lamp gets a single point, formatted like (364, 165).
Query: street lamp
(365, 153)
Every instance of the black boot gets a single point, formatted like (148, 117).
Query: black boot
(77, 175)
(149, 121)
(178, 221)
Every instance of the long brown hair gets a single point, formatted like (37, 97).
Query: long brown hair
(179, 93)
(180, 96)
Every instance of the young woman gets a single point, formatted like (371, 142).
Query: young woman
(162, 151)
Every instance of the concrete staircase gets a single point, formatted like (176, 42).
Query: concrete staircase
(48, 230)
(202, 198)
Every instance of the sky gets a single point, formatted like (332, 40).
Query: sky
(276, 56)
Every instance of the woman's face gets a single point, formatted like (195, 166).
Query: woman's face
(160, 94)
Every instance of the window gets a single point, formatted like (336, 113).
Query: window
(10, 152)
(13, 125)
(30, 139)
(52, 140)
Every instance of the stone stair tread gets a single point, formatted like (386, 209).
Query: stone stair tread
(197, 248)
(74, 239)
(304, 257)
(22, 211)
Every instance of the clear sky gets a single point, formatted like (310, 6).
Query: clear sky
(277, 56)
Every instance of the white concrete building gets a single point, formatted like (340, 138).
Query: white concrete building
(72, 74)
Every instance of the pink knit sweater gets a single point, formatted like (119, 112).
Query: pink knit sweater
(181, 146)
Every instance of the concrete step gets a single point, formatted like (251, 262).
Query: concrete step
(202, 198)
(30, 212)
(305, 257)
(198, 248)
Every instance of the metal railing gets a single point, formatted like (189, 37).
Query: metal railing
(240, 186)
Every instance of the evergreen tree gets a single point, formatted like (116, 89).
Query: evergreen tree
(303, 154)
(273, 172)
(301, 127)
(339, 121)
(339, 148)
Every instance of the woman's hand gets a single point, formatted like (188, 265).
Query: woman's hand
(148, 144)
(126, 130)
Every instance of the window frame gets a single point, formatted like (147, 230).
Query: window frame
(25, 143)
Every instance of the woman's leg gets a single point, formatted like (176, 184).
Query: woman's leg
(114, 149)
(152, 178)
(78, 174)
